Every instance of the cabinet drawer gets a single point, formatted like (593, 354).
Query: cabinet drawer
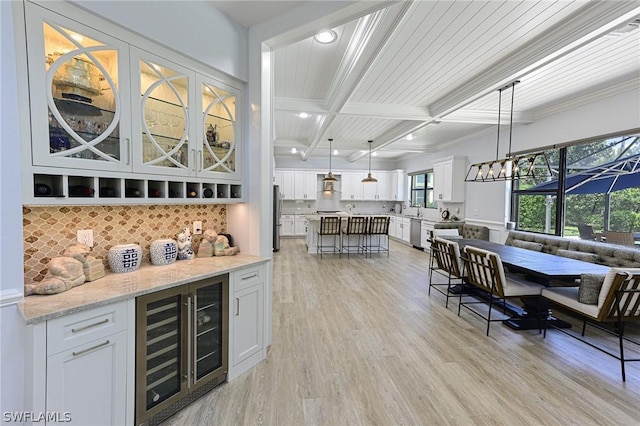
(248, 277)
(83, 327)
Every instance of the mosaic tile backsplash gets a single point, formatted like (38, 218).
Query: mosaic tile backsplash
(49, 230)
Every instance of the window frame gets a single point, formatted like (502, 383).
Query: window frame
(425, 190)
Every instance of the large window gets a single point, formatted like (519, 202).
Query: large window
(601, 188)
(422, 190)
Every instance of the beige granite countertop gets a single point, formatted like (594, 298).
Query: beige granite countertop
(117, 287)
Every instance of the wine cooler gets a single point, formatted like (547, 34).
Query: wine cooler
(181, 346)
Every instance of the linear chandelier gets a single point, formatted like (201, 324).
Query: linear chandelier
(530, 165)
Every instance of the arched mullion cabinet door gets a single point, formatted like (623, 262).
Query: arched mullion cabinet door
(79, 88)
(162, 116)
(218, 130)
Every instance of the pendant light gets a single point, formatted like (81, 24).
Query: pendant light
(369, 178)
(329, 177)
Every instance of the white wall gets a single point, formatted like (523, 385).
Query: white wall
(605, 116)
(193, 28)
(12, 328)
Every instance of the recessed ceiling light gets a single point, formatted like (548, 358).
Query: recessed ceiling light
(326, 37)
(303, 115)
(294, 150)
(335, 152)
(374, 154)
(409, 137)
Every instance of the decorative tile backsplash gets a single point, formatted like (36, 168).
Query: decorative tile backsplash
(48, 231)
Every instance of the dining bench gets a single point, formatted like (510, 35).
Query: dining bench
(610, 299)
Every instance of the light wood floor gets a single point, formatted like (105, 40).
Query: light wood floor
(358, 342)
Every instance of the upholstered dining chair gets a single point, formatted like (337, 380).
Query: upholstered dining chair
(354, 232)
(620, 238)
(445, 261)
(378, 230)
(329, 227)
(484, 270)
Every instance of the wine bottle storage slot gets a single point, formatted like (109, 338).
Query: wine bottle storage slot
(165, 375)
(152, 355)
(162, 337)
(167, 362)
(90, 190)
(160, 323)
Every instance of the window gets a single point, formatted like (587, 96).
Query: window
(595, 194)
(422, 190)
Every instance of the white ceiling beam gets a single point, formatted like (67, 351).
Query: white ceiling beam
(486, 117)
(590, 22)
(352, 70)
(386, 111)
(298, 105)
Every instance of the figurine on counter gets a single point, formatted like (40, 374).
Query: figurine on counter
(214, 244)
(73, 268)
(185, 252)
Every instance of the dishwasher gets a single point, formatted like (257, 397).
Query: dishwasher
(414, 235)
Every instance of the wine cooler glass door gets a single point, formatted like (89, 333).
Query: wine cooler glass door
(210, 325)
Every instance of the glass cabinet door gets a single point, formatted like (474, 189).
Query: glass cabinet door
(77, 91)
(218, 149)
(161, 116)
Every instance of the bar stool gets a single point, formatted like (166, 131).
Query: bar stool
(329, 226)
(356, 229)
(379, 227)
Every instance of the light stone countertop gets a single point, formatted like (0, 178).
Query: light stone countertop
(118, 287)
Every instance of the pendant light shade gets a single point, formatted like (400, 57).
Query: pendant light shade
(330, 177)
(369, 178)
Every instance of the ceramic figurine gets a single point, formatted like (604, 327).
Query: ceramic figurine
(185, 252)
(206, 245)
(63, 272)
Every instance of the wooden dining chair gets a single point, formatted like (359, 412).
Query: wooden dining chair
(484, 270)
(445, 261)
(620, 238)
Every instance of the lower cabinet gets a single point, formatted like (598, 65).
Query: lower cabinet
(288, 225)
(81, 370)
(247, 325)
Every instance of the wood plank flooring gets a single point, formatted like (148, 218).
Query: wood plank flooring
(358, 342)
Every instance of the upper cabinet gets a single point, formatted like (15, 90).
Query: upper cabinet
(448, 180)
(305, 185)
(114, 122)
(79, 93)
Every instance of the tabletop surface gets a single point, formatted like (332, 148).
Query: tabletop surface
(538, 263)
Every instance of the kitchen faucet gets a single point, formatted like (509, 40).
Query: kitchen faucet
(418, 215)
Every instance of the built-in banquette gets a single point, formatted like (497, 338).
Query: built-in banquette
(587, 251)
(465, 230)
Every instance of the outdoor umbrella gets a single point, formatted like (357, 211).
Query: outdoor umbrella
(604, 179)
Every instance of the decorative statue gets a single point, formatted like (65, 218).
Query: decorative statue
(206, 245)
(66, 271)
(185, 252)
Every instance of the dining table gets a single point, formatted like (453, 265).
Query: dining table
(544, 268)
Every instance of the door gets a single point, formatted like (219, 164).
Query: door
(210, 329)
(78, 79)
(89, 383)
(161, 350)
(247, 322)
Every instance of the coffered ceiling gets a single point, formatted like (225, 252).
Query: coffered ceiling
(431, 69)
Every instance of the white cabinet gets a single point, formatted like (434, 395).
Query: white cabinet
(425, 235)
(247, 325)
(406, 230)
(86, 366)
(397, 185)
(299, 226)
(288, 225)
(305, 185)
(285, 178)
(112, 123)
(351, 186)
(392, 226)
(377, 191)
(448, 180)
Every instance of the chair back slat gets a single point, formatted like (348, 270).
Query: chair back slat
(484, 269)
(447, 256)
(623, 298)
(622, 238)
(379, 225)
(329, 225)
(356, 225)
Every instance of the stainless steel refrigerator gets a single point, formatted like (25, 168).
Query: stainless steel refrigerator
(277, 211)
